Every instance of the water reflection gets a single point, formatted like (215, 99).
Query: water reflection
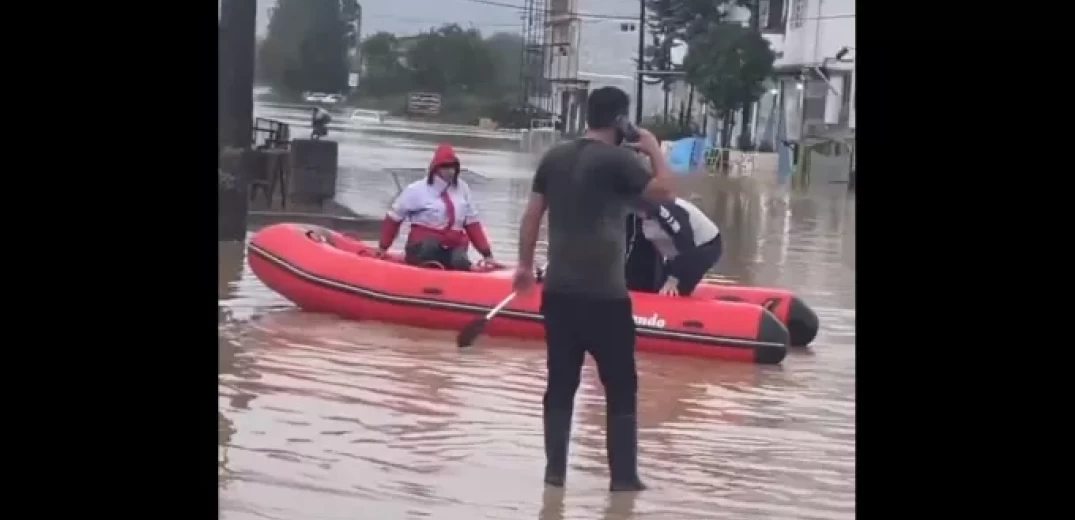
(618, 506)
(230, 271)
(325, 418)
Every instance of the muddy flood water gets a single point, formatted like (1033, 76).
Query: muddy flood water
(325, 419)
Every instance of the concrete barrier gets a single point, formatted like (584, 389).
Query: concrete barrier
(314, 165)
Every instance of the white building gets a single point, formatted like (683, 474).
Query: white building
(589, 44)
(815, 78)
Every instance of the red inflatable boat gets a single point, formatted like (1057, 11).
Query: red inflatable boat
(321, 270)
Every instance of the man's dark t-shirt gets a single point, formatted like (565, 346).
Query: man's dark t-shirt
(589, 187)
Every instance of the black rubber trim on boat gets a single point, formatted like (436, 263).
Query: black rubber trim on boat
(694, 324)
(432, 290)
(803, 323)
(775, 338)
(474, 309)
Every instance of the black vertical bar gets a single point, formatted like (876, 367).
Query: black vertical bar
(641, 55)
(238, 20)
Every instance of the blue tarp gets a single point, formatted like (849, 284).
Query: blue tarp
(686, 155)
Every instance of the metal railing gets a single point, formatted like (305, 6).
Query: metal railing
(272, 134)
(740, 163)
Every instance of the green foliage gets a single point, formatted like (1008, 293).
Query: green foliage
(448, 60)
(664, 34)
(384, 71)
(724, 59)
(350, 12)
(688, 18)
(726, 62)
(306, 45)
(306, 50)
(506, 49)
(451, 58)
(477, 77)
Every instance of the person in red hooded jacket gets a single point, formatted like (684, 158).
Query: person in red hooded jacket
(443, 217)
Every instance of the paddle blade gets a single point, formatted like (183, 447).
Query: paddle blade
(471, 332)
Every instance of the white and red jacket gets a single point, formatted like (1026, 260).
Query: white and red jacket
(437, 208)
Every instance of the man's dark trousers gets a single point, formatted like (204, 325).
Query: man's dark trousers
(574, 325)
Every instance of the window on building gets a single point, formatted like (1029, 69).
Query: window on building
(777, 19)
(763, 14)
(815, 92)
(845, 100)
(774, 18)
(798, 13)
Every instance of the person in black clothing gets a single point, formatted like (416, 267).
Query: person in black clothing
(671, 245)
(588, 186)
(319, 120)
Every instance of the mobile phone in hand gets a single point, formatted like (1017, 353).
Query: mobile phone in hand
(626, 130)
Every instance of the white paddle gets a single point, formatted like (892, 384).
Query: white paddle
(472, 330)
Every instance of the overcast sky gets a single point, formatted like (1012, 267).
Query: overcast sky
(412, 16)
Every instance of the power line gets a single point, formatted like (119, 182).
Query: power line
(549, 11)
(434, 21)
(621, 17)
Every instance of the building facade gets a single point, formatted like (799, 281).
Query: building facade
(815, 44)
(582, 45)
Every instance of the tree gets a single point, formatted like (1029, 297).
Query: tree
(665, 31)
(506, 50)
(351, 17)
(476, 77)
(671, 22)
(694, 17)
(688, 18)
(728, 65)
(451, 58)
(306, 45)
(383, 72)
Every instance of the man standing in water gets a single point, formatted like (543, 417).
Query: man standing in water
(588, 186)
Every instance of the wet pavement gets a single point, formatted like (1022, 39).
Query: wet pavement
(341, 126)
(327, 419)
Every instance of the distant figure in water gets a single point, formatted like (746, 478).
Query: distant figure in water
(319, 121)
(443, 216)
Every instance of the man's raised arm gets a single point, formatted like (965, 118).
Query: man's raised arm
(531, 222)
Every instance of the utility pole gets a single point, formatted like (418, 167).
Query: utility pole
(641, 56)
(748, 109)
(235, 114)
(238, 24)
(354, 66)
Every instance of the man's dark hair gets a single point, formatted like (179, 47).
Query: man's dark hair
(605, 105)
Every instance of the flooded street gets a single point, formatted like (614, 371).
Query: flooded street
(321, 418)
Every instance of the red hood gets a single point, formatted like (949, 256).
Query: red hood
(442, 156)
